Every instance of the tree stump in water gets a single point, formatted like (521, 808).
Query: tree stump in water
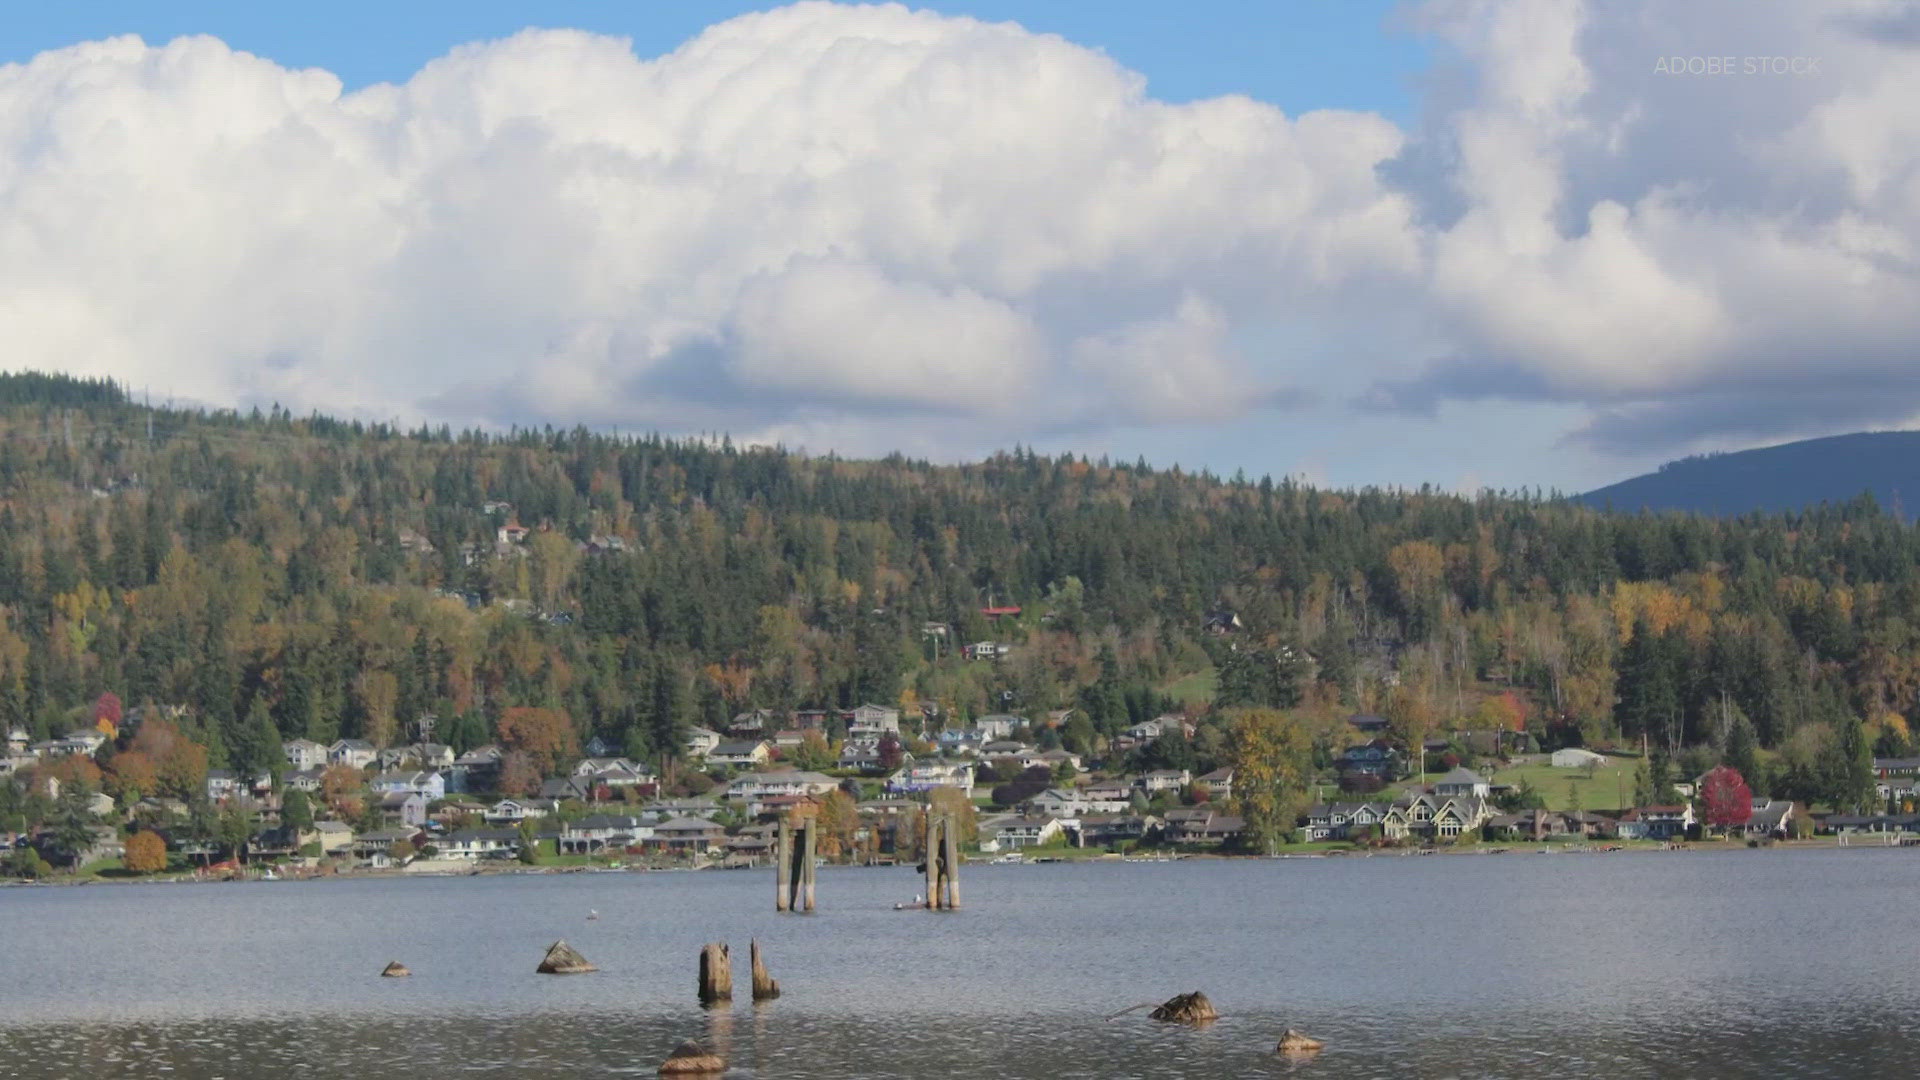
(765, 988)
(1191, 1008)
(563, 959)
(395, 970)
(716, 975)
(1293, 1042)
(692, 1059)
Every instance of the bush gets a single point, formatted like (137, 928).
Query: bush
(1355, 783)
(146, 853)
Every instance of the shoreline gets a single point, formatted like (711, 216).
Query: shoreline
(1042, 858)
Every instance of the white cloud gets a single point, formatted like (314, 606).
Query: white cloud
(867, 226)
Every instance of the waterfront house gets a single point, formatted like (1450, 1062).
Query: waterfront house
(334, 837)
(1435, 815)
(1218, 784)
(596, 833)
(1011, 833)
(478, 843)
(1108, 830)
(1068, 803)
(1665, 822)
(381, 841)
(1203, 826)
(1770, 817)
(690, 834)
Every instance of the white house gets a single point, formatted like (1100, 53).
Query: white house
(759, 785)
(872, 722)
(1014, 833)
(1462, 781)
(357, 753)
(701, 741)
(429, 784)
(304, 754)
(1069, 803)
(1165, 780)
(927, 775)
(1574, 757)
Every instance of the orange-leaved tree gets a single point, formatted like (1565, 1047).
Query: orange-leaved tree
(146, 852)
(545, 735)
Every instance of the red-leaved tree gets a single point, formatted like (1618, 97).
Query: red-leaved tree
(1729, 802)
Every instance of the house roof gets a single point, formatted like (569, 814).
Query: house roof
(737, 747)
(1462, 775)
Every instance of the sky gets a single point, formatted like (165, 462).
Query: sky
(1457, 242)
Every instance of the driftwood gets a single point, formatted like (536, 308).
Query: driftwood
(395, 970)
(765, 988)
(716, 974)
(1191, 1008)
(692, 1059)
(1293, 1042)
(563, 959)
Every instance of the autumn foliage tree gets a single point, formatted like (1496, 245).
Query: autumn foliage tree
(1270, 752)
(146, 853)
(107, 713)
(545, 735)
(1729, 802)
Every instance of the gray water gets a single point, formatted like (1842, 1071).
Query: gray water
(1729, 964)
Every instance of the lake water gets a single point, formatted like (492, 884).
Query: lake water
(1730, 964)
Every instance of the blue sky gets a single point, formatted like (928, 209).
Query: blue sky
(1345, 54)
(1521, 254)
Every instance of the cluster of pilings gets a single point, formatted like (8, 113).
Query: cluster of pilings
(716, 975)
(942, 851)
(793, 864)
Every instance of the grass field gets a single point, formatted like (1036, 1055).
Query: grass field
(1610, 789)
(1197, 688)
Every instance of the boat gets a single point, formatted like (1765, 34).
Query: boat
(1011, 858)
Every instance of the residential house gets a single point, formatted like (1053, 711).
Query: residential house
(1661, 822)
(1071, 803)
(673, 808)
(1770, 817)
(304, 754)
(741, 754)
(1375, 759)
(1174, 780)
(753, 723)
(700, 742)
(475, 770)
(381, 841)
(479, 843)
(758, 785)
(1053, 759)
(998, 726)
(1108, 830)
(1888, 767)
(406, 807)
(1203, 825)
(691, 834)
(596, 833)
(872, 722)
(354, 753)
(1433, 814)
(222, 785)
(1012, 833)
(18, 740)
(567, 789)
(430, 785)
(1110, 791)
(1369, 724)
(1345, 820)
(334, 836)
(1461, 781)
(1218, 784)
(515, 811)
(922, 776)
(862, 756)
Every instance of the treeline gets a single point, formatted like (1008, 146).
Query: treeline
(283, 576)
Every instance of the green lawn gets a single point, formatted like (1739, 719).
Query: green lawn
(1610, 789)
(1196, 689)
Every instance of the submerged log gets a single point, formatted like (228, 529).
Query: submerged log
(765, 988)
(563, 959)
(1293, 1042)
(1191, 1008)
(692, 1059)
(395, 970)
(716, 975)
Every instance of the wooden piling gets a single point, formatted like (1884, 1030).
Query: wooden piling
(811, 836)
(764, 986)
(782, 867)
(716, 974)
(930, 851)
(950, 866)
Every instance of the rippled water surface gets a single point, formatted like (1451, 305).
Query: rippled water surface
(1727, 964)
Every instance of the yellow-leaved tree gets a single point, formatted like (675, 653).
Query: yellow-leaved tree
(1271, 756)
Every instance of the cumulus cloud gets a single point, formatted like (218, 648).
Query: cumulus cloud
(868, 227)
(811, 219)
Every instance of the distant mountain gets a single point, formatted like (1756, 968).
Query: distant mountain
(1793, 476)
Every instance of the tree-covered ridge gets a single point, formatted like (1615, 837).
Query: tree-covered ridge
(283, 577)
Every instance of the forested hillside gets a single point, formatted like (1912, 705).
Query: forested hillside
(1776, 479)
(281, 576)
